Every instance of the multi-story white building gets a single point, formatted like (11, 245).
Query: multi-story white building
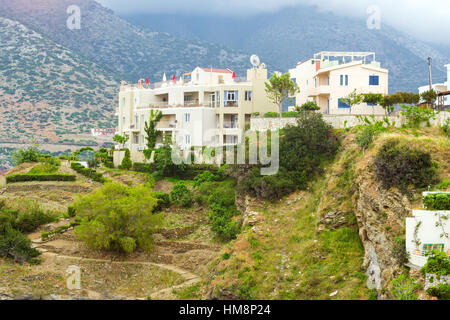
(330, 76)
(207, 107)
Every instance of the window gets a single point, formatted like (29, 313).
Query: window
(137, 122)
(188, 139)
(342, 104)
(430, 247)
(328, 80)
(218, 98)
(136, 139)
(187, 98)
(248, 96)
(344, 80)
(315, 82)
(187, 117)
(231, 96)
(374, 80)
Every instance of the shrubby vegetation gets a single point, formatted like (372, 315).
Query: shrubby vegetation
(303, 149)
(437, 201)
(438, 263)
(399, 165)
(14, 244)
(118, 218)
(181, 195)
(405, 288)
(27, 177)
(88, 172)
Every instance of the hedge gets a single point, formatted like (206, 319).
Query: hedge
(437, 201)
(40, 177)
(87, 172)
(144, 167)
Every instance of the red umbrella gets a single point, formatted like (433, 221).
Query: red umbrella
(174, 78)
(234, 75)
(147, 82)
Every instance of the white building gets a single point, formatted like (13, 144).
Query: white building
(425, 231)
(440, 88)
(330, 76)
(207, 107)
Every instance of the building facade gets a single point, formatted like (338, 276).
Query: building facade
(207, 107)
(330, 76)
(443, 90)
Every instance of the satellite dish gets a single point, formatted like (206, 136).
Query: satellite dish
(254, 60)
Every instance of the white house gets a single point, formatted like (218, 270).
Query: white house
(330, 76)
(206, 107)
(425, 231)
(441, 88)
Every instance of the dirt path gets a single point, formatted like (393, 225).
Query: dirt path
(163, 294)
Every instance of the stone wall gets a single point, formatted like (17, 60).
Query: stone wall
(337, 121)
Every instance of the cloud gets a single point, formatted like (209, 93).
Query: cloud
(425, 19)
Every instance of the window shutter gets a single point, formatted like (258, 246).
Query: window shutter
(236, 96)
(225, 97)
(342, 80)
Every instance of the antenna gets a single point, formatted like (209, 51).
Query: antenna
(254, 60)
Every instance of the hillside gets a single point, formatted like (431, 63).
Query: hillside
(119, 46)
(294, 34)
(339, 239)
(47, 91)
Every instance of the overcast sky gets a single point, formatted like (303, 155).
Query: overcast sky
(426, 19)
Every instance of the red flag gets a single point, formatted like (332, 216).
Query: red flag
(234, 75)
(147, 82)
(174, 78)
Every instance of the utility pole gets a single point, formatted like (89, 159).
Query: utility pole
(429, 73)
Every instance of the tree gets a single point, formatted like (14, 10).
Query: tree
(126, 162)
(27, 155)
(308, 106)
(429, 97)
(353, 98)
(150, 129)
(121, 139)
(117, 217)
(372, 98)
(279, 88)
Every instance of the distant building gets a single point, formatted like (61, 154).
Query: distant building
(330, 76)
(442, 89)
(207, 107)
(103, 132)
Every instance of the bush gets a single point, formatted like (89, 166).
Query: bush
(15, 245)
(205, 176)
(144, 167)
(438, 263)
(405, 288)
(441, 291)
(126, 162)
(399, 165)
(87, 172)
(71, 212)
(416, 115)
(26, 155)
(181, 195)
(19, 177)
(437, 201)
(365, 137)
(271, 115)
(164, 164)
(117, 217)
(28, 218)
(446, 127)
(163, 200)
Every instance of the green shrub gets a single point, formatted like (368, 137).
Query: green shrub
(26, 177)
(289, 114)
(271, 115)
(365, 137)
(181, 194)
(15, 245)
(441, 291)
(71, 212)
(117, 217)
(399, 165)
(87, 172)
(416, 115)
(163, 200)
(28, 218)
(446, 127)
(126, 162)
(144, 167)
(438, 263)
(205, 176)
(26, 155)
(437, 201)
(405, 288)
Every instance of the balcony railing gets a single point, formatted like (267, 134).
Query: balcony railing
(230, 104)
(230, 125)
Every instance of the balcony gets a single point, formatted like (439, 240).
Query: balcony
(320, 90)
(231, 104)
(230, 125)
(134, 128)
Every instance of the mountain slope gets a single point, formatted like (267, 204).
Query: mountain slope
(291, 35)
(116, 44)
(47, 91)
